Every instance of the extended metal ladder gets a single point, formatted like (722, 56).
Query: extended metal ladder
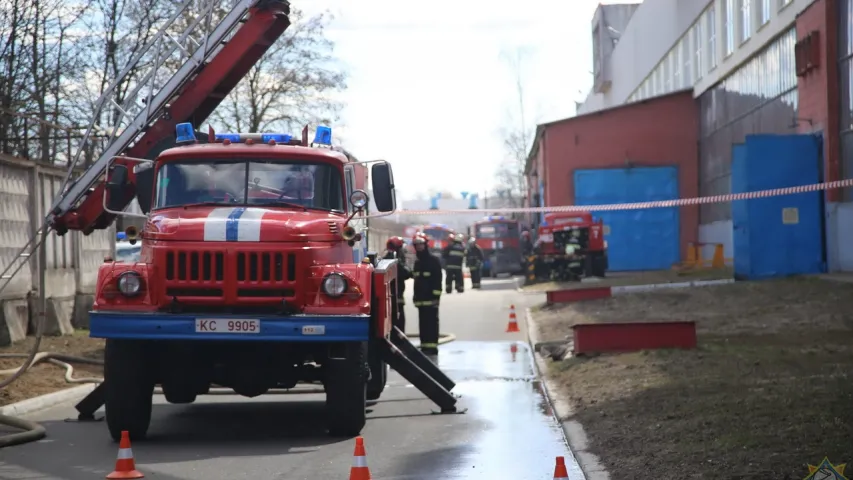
(182, 73)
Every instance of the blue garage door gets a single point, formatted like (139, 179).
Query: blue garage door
(636, 239)
(781, 235)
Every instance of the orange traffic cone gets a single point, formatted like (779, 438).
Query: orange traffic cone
(512, 326)
(125, 466)
(359, 470)
(560, 472)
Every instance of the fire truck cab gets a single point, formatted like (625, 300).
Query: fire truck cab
(252, 276)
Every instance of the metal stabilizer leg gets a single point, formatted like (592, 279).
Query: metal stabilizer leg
(87, 407)
(421, 380)
(401, 341)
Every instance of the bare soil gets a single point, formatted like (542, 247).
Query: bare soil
(45, 377)
(618, 279)
(766, 393)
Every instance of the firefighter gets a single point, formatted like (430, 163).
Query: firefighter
(427, 293)
(526, 244)
(454, 255)
(394, 249)
(474, 259)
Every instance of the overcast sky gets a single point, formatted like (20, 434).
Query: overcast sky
(430, 87)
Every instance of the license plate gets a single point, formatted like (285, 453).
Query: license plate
(227, 325)
(314, 330)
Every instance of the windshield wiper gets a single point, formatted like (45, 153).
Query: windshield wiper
(207, 204)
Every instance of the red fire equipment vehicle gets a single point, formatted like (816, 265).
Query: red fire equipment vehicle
(570, 246)
(252, 275)
(438, 237)
(500, 240)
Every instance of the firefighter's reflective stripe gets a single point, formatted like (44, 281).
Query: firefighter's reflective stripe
(457, 253)
(436, 292)
(453, 267)
(475, 284)
(401, 301)
(418, 274)
(426, 303)
(429, 345)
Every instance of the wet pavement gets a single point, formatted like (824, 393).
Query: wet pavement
(508, 431)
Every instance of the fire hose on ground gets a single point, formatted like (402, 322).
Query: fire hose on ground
(32, 431)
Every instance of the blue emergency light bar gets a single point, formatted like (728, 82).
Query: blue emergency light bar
(261, 137)
(495, 217)
(121, 236)
(323, 135)
(278, 137)
(184, 133)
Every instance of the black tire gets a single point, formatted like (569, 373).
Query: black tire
(346, 392)
(128, 388)
(378, 372)
(600, 265)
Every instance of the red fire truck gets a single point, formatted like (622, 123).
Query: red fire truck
(570, 246)
(252, 275)
(500, 240)
(438, 235)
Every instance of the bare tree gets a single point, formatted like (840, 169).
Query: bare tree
(516, 140)
(291, 85)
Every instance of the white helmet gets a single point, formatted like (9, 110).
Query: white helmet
(472, 240)
(460, 237)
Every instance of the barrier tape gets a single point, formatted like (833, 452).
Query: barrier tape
(643, 205)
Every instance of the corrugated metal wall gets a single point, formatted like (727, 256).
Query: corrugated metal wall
(759, 97)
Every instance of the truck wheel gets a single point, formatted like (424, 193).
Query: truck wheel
(378, 372)
(346, 392)
(600, 265)
(128, 388)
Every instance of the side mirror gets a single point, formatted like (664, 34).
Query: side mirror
(116, 186)
(384, 195)
(144, 186)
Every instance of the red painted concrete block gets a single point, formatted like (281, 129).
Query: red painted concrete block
(626, 337)
(577, 295)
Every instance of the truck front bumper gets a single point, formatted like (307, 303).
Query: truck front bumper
(164, 326)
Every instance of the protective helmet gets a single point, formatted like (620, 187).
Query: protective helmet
(419, 239)
(472, 240)
(459, 237)
(394, 243)
(525, 234)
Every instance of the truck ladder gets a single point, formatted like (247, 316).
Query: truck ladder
(183, 73)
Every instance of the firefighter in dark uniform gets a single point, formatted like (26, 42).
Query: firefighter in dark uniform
(474, 260)
(454, 255)
(394, 249)
(427, 293)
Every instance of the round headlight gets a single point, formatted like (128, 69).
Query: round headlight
(129, 284)
(334, 285)
(358, 199)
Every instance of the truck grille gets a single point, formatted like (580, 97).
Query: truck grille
(195, 266)
(203, 274)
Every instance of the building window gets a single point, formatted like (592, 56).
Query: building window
(698, 41)
(685, 51)
(669, 73)
(746, 19)
(729, 26)
(765, 11)
(596, 52)
(712, 38)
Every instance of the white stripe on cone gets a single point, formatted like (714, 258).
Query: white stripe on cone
(125, 453)
(359, 462)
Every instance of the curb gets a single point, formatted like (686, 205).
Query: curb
(573, 431)
(42, 402)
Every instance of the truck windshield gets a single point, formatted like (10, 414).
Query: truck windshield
(437, 234)
(497, 230)
(256, 182)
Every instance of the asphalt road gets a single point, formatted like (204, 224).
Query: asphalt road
(507, 432)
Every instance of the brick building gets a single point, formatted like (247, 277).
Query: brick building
(767, 79)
